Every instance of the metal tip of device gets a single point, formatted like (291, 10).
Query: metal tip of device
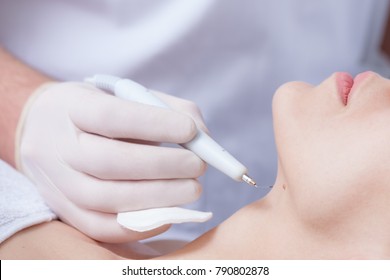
(249, 180)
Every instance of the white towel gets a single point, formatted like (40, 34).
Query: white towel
(21, 205)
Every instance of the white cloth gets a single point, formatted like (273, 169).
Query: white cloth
(21, 205)
(227, 56)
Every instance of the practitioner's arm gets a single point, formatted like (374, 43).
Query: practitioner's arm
(17, 82)
(52, 240)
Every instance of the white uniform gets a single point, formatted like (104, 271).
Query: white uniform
(227, 56)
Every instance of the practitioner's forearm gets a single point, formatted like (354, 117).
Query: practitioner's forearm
(17, 82)
(52, 240)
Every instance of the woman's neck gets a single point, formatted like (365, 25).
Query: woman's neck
(271, 229)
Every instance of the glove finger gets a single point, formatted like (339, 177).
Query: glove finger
(103, 227)
(185, 107)
(113, 117)
(97, 225)
(121, 196)
(116, 160)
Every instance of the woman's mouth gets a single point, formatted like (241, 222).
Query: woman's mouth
(346, 83)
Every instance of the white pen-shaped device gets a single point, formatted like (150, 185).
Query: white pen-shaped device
(202, 144)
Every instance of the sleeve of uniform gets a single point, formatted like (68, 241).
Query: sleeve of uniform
(21, 206)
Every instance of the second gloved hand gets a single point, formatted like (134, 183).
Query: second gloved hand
(93, 155)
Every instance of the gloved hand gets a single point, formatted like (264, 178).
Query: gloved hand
(93, 155)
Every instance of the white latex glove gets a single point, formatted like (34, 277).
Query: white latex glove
(93, 155)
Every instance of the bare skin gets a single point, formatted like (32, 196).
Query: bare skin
(331, 196)
(53, 240)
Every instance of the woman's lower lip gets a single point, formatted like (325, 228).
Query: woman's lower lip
(344, 83)
(360, 77)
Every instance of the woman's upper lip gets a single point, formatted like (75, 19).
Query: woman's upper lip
(344, 83)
